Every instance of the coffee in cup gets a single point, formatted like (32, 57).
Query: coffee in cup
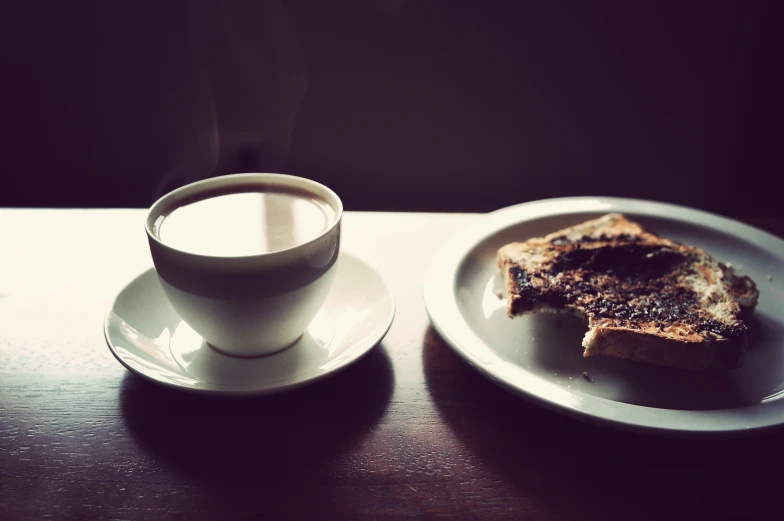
(244, 220)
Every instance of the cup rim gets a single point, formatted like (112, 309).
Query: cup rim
(154, 212)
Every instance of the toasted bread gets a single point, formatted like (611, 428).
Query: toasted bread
(646, 298)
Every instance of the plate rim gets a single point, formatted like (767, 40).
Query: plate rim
(446, 318)
(246, 391)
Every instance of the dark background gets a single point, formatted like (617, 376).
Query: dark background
(397, 105)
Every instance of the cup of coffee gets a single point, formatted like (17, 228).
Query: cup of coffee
(247, 260)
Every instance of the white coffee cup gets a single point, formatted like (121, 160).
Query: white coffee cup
(250, 305)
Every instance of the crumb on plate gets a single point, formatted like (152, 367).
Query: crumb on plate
(587, 377)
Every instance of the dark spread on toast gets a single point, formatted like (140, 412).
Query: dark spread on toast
(626, 281)
(626, 237)
(647, 298)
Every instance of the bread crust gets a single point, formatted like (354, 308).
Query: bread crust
(646, 298)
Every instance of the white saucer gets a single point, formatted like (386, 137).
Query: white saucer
(148, 337)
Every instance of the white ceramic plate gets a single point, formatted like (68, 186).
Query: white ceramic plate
(540, 356)
(148, 337)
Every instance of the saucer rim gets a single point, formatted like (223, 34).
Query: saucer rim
(281, 386)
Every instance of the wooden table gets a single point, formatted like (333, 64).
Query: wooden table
(409, 432)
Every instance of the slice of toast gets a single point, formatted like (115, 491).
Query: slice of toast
(646, 298)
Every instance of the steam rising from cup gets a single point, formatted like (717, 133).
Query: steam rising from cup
(250, 80)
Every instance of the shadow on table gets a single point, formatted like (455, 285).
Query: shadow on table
(601, 472)
(258, 444)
